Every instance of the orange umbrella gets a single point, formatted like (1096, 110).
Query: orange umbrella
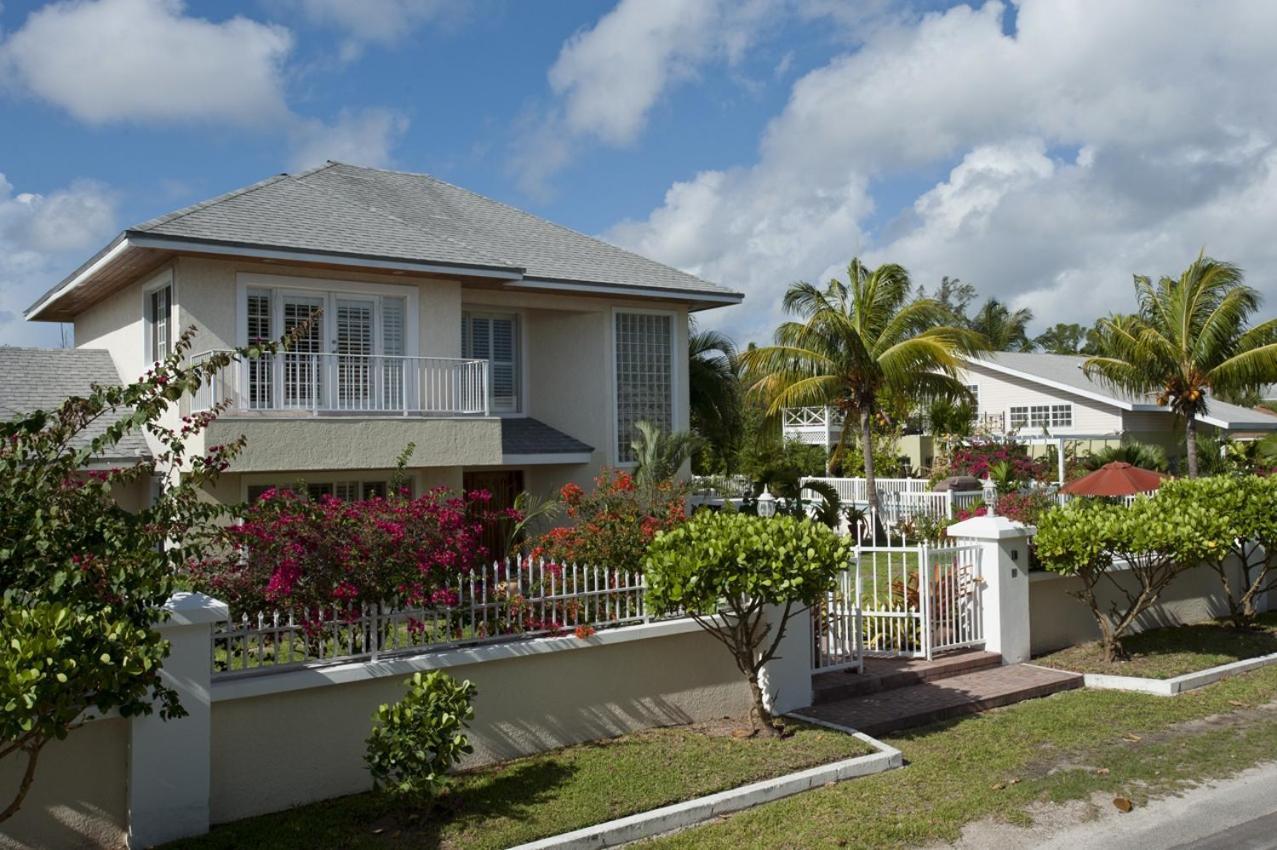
(1115, 479)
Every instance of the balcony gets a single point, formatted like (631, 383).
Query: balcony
(346, 385)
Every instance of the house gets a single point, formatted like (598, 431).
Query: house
(512, 352)
(42, 378)
(1045, 400)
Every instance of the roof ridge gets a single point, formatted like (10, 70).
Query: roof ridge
(386, 214)
(166, 218)
(525, 213)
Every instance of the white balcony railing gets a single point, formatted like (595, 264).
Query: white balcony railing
(348, 383)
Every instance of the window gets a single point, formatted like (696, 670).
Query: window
(1041, 416)
(495, 337)
(644, 376)
(346, 491)
(159, 323)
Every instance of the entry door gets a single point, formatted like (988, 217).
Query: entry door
(354, 347)
(504, 485)
(301, 379)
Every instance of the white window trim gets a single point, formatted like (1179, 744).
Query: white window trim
(329, 289)
(284, 480)
(1027, 407)
(497, 310)
(160, 282)
(677, 422)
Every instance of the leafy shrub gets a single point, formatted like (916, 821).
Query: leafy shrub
(614, 524)
(416, 741)
(978, 457)
(737, 565)
(1026, 507)
(1143, 455)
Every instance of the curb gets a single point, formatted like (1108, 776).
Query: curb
(1179, 684)
(692, 812)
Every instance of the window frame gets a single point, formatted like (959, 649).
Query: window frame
(149, 320)
(520, 352)
(1051, 415)
(677, 344)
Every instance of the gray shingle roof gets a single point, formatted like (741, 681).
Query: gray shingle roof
(42, 378)
(1066, 370)
(528, 436)
(368, 212)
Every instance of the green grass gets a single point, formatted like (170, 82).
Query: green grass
(547, 794)
(1066, 747)
(1174, 651)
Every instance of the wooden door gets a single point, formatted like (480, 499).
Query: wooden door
(504, 485)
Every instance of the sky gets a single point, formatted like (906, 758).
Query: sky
(1044, 150)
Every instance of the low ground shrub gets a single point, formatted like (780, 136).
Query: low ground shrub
(416, 741)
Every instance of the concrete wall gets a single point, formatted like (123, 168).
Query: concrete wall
(313, 739)
(998, 392)
(1058, 619)
(79, 795)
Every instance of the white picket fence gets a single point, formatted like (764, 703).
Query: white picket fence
(905, 498)
(510, 600)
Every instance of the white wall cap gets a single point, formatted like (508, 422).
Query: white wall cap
(194, 609)
(990, 528)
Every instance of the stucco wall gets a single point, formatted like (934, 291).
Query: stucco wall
(1057, 619)
(79, 795)
(313, 739)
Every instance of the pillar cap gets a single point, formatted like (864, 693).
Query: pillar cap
(990, 528)
(194, 609)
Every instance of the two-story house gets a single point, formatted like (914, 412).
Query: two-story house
(513, 352)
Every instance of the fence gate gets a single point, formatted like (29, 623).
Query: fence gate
(907, 600)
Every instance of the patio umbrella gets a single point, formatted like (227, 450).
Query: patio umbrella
(1115, 479)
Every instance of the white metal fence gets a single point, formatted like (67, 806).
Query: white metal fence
(515, 599)
(837, 629)
(904, 498)
(341, 383)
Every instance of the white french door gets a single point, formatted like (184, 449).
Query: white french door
(301, 381)
(354, 333)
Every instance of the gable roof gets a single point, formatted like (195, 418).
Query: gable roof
(42, 378)
(1064, 372)
(391, 219)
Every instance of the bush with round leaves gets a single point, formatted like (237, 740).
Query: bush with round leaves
(416, 741)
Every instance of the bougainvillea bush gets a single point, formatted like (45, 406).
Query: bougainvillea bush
(613, 524)
(978, 457)
(323, 558)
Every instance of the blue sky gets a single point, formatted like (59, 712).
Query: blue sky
(1044, 151)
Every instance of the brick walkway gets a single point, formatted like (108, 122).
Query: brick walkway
(883, 674)
(941, 699)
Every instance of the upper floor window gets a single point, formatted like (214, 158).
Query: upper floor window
(495, 337)
(159, 323)
(644, 376)
(1041, 416)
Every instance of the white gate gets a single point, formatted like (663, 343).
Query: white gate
(909, 600)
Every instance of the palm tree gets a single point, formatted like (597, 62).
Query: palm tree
(1188, 341)
(713, 388)
(659, 456)
(853, 345)
(1005, 330)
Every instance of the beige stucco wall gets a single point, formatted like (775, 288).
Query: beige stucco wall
(79, 795)
(313, 740)
(1057, 619)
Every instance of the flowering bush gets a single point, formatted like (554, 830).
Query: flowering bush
(1025, 507)
(318, 558)
(614, 524)
(979, 457)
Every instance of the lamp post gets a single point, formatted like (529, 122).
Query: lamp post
(766, 503)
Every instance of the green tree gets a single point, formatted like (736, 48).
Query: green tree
(714, 392)
(727, 569)
(658, 456)
(1061, 338)
(857, 345)
(1189, 341)
(83, 579)
(1004, 329)
(955, 296)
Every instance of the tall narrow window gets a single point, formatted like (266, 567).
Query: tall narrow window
(159, 323)
(495, 337)
(644, 376)
(260, 369)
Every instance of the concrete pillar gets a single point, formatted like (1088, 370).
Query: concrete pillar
(169, 761)
(786, 679)
(1004, 566)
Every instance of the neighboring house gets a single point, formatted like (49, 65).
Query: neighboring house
(513, 352)
(42, 378)
(1046, 399)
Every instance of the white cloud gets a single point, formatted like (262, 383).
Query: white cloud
(383, 22)
(146, 60)
(1077, 153)
(42, 237)
(359, 137)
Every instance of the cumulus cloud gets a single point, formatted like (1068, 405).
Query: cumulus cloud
(382, 22)
(360, 137)
(1075, 154)
(42, 237)
(147, 60)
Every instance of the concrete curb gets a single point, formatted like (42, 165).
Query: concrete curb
(1179, 684)
(692, 812)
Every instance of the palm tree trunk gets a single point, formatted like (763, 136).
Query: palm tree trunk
(867, 448)
(1190, 447)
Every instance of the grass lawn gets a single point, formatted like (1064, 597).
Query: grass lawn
(1169, 652)
(1065, 747)
(549, 793)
